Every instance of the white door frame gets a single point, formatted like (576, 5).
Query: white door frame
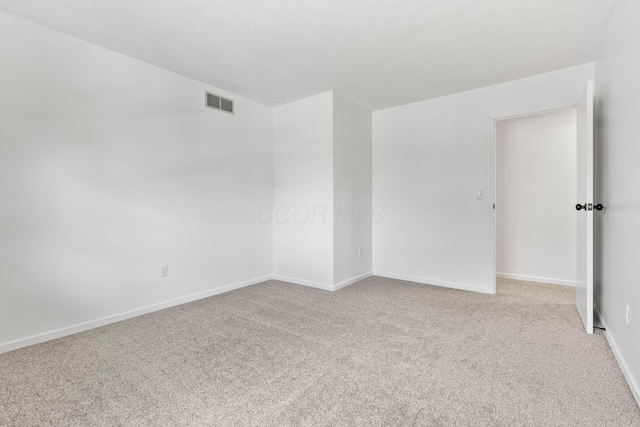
(492, 178)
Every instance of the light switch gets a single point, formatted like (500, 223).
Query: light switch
(480, 195)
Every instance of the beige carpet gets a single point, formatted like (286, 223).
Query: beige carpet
(380, 352)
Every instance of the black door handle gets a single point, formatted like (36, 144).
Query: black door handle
(597, 207)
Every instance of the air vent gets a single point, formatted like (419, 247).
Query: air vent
(226, 105)
(218, 102)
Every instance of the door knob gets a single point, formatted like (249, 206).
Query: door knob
(597, 207)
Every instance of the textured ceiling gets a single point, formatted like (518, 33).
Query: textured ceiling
(378, 53)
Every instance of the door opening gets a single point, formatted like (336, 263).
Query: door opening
(535, 190)
(583, 248)
(534, 193)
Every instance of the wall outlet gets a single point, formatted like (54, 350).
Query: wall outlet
(360, 252)
(626, 312)
(164, 271)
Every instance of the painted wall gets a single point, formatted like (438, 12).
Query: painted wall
(303, 191)
(109, 168)
(536, 192)
(352, 157)
(429, 160)
(322, 191)
(617, 172)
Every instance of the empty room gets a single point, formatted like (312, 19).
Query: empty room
(319, 213)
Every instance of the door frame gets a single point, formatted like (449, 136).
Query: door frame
(493, 144)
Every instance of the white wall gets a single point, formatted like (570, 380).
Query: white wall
(110, 168)
(617, 178)
(430, 158)
(352, 157)
(303, 191)
(536, 195)
(322, 191)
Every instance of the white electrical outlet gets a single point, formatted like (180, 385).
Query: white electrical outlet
(626, 312)
(164, 271)
(360, 253)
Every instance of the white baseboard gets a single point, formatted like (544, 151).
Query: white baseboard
(103, 321)
(546, 280)
(633, 384)
(303, 282)
(322, 286)
(427, 281)
(84, 326)
(351, 281)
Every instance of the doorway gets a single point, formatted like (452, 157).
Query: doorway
(535, 188)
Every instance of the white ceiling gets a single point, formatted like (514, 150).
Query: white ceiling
(378, 53)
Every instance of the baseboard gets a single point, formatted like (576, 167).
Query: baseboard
(633, 384)
(103, 321)
(322, 286)
(351, 281)
(427, 281)
(303, 282)
(546, 280)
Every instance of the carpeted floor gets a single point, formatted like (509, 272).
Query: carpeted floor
(379, 352)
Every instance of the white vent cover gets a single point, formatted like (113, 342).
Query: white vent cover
(217, 102)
